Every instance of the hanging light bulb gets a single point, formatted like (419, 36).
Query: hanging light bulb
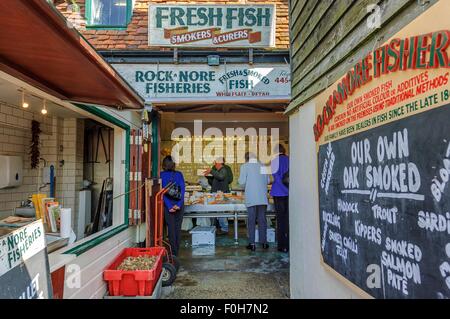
(44, 107)
(25, 104)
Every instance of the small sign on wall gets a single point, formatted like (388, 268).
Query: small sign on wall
(24, 268)
(212, 25)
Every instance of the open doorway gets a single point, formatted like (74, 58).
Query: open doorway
(199, 139)
(96, 197)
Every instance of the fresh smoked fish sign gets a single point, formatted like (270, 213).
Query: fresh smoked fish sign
(212, 25)
(168, 83)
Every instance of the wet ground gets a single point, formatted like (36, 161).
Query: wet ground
(230, 271)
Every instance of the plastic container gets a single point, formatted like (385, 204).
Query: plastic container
(270, 235)
(157, 292)
(202, 235)
(137, 282)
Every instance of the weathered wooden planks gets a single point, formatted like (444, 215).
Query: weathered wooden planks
(299, 38)
(354, 17)
(301, 49)
(304, 15)
(295, 9)
(395, 15)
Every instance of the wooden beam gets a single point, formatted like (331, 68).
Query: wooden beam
(181, 117)
(196, 108)
(254, 108)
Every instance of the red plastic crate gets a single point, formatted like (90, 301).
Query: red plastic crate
(134, 283)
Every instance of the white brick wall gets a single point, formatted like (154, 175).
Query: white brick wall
(15, 138)
(71, 174)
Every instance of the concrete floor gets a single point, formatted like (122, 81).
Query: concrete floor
(227, 271)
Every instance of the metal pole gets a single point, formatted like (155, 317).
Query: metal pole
(236, 239)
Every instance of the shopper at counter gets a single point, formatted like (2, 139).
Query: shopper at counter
(173, 209)
(220, 177)
(255, 182)
(280, 194)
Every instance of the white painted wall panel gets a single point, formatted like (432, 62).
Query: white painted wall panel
(92, 263)
(308, 277)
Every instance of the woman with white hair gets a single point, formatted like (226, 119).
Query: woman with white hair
(254, 179)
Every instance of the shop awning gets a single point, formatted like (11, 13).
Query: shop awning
(38, 46)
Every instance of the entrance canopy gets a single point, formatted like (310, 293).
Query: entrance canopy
(38, 46)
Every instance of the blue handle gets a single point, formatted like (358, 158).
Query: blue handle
(52, 181)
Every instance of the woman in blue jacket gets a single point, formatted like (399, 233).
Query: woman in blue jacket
(280, 194)
(173, 209)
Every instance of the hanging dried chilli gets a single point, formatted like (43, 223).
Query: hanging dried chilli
(35, 152)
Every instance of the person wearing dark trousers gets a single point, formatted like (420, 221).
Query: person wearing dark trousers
(280, 194)
(173, 222)
(173, 209)
(257, 214)
(255, 182)
(282, 211)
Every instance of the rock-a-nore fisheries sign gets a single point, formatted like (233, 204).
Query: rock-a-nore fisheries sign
(168, 83)
(24, 268)
(199, 25)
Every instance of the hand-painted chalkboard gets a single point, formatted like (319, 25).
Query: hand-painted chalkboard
(384, 198)
(24, 268)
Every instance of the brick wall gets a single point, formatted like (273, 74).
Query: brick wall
(15, 139)
(72, 171)
(136, 35)
(61, 139)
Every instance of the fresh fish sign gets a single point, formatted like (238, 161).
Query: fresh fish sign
(212, 25)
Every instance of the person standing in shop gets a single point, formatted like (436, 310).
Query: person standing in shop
(220, 177)
(255, 182)
(280, 194)
(173, 208)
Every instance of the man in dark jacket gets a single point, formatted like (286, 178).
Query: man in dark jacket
(220, 177)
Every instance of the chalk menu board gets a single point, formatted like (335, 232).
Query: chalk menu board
(384, 200)
(24, 267)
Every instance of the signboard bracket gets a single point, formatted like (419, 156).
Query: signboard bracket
(250, 56)
(423, 2)
(175, 55)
